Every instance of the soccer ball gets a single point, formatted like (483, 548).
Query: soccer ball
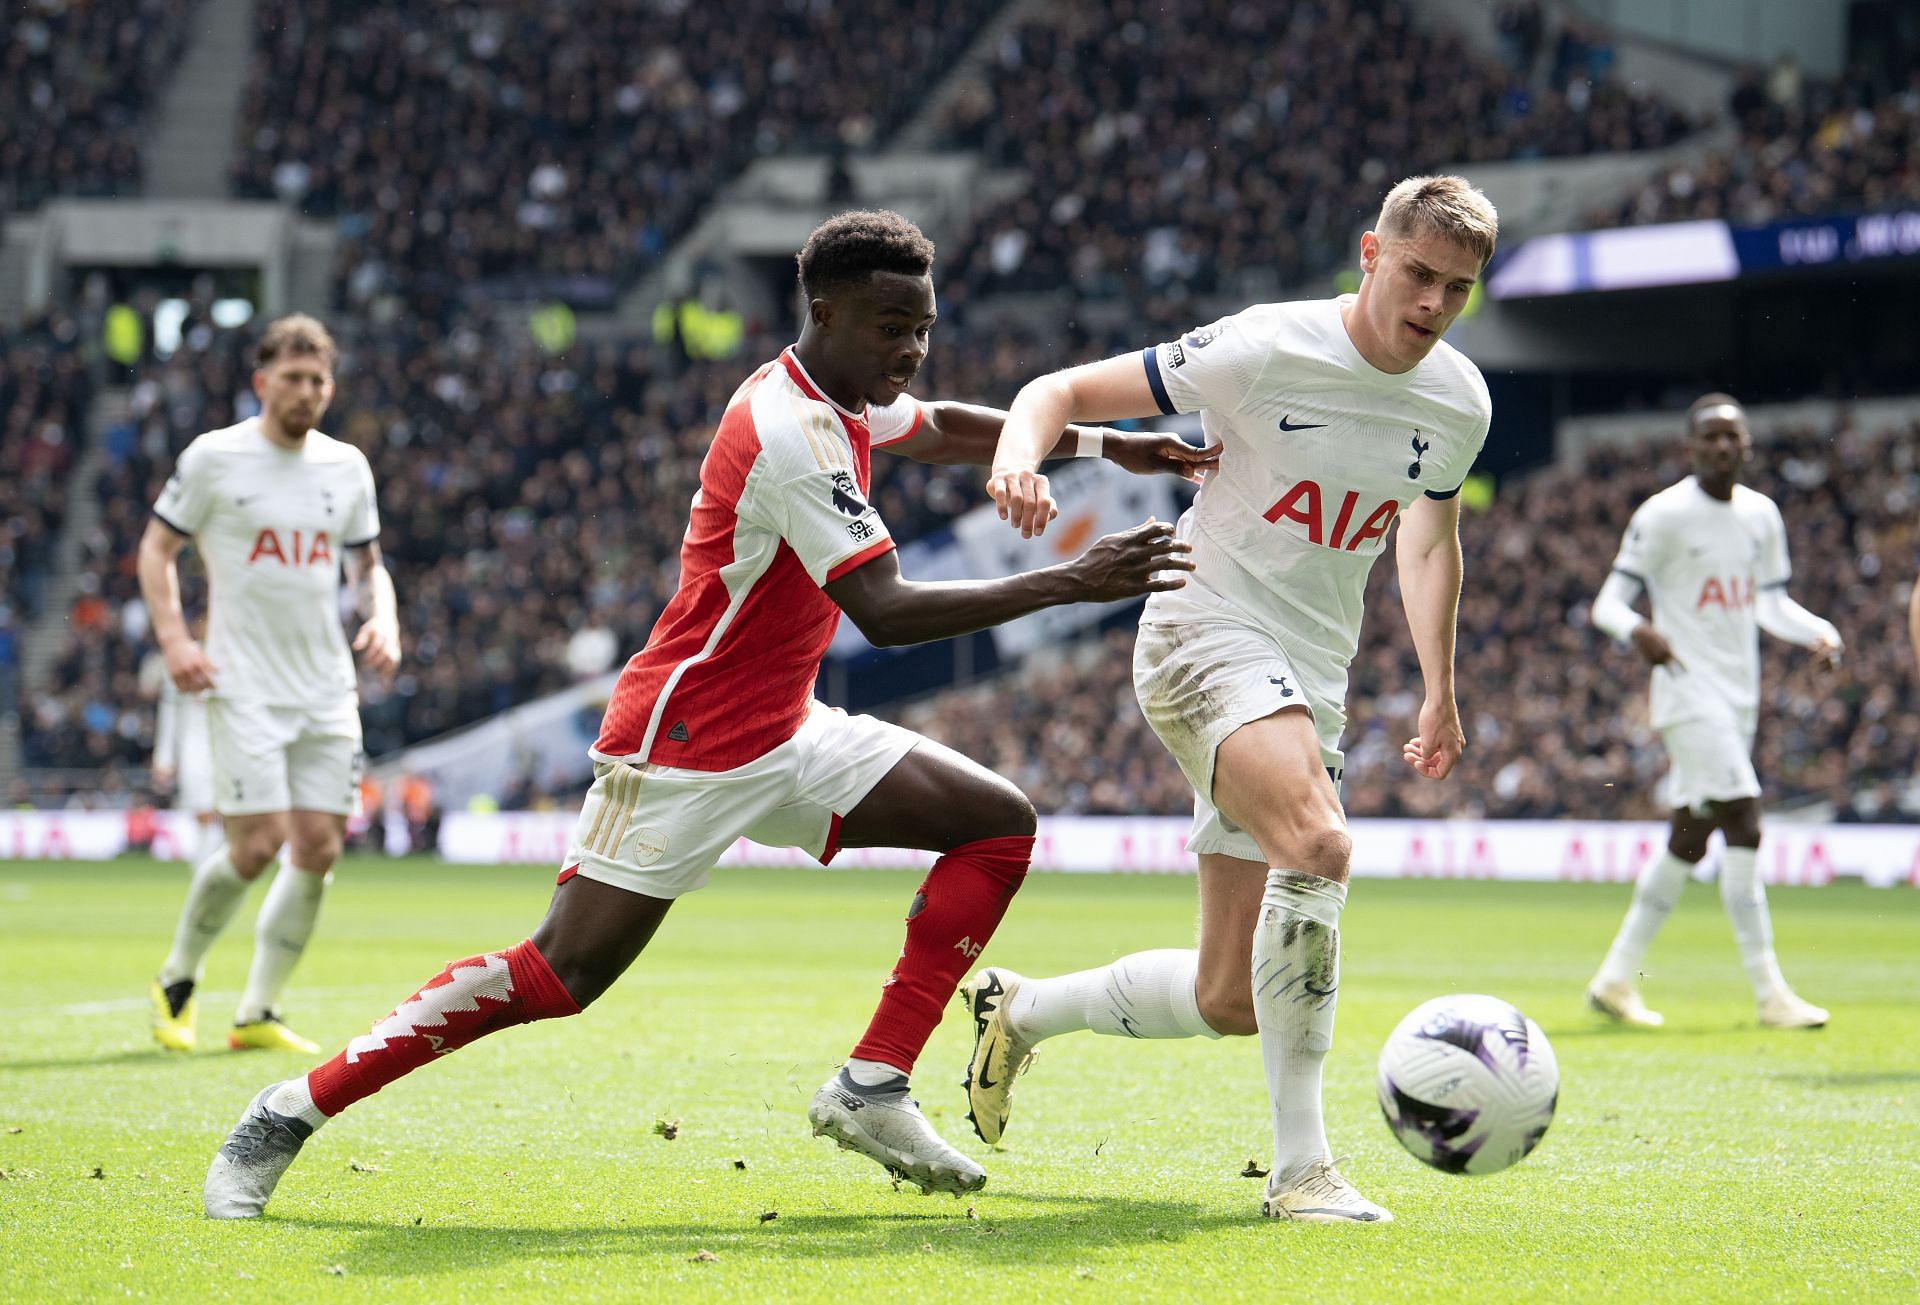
(1468, 1084)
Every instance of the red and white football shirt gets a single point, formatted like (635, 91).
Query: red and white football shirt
(728, 672)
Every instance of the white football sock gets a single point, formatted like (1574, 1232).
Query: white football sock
(279, 937)
(211, 898)
(207, 840)
(872, 1073)
(293, 1098)
(1745, 898)
(1145, 995)
(1296, 986)
(1654, 898)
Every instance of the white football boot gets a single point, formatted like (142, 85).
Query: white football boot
(249, 1163)
(998, 1056)
(1780, 1009)
(885, 1125)
(1622, 1002)
(1318, 1194)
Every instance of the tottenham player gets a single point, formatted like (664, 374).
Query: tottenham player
(713, 731)
(1712, 555)
(276, 509)
(1339, 418)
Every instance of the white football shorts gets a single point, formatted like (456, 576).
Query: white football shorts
(271, 758)
(1710, 760)
(657, 830)
(1200, 679)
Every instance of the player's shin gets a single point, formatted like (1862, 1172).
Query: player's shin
(1145, 995)
(1654, 898)
(211, 901)
(464, 1002)
(1745, 899)
(1296, 983)
(952, 916)
(280, 936)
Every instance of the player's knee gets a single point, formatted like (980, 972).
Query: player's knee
(1326, 852)
(316, 854)
(1227, 1007)
(1002, 811)
(254, 851)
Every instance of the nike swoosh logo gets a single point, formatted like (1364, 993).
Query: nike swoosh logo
(1285, 424)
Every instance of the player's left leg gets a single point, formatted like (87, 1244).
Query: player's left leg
(1745, 898)
(283, 929)
(1614, 990)
(932, 799)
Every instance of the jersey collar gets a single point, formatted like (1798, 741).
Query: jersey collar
(791, 361)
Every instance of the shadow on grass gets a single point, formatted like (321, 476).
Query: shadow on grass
(1042, 1228)
(1611, 1029)
(1865, 1078)
(139, 1055)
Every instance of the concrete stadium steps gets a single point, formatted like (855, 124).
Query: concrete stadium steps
(192, 145)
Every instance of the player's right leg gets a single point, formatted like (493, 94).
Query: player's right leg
(219, 882)
(1615, 989)
(1744, 897)
(591, 934)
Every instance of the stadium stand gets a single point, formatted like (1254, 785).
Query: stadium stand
(523, 145)
(1805, 147)
(1234, 148)
(75, 79)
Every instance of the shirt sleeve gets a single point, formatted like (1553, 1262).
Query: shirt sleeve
(829, 524)
(1209, 367)
(1774, 568)
(897, 421)
(363, 523)
(187, 499)
(1458, 477)
(1639, 554)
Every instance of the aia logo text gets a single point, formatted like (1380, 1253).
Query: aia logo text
(1304, 503)
(293, 549)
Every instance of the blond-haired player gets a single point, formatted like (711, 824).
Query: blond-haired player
(1338, 418)
(1712, 555)
(275, 508)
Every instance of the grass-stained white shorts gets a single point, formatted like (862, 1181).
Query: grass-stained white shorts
(1200, 678)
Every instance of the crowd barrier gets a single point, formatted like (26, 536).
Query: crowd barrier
(1573, 851)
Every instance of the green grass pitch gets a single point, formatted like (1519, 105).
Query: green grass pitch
(1709, 1161)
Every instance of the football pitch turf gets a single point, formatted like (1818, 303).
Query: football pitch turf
(1707, 1161)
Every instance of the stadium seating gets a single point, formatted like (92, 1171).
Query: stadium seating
(557, 149)
(1234, 148)
(75, 80)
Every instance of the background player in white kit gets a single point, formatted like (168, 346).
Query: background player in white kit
(183, 756)
(1712, 555)
(1338, 417)
(274, 508)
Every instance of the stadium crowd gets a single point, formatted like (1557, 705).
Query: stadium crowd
(560, 147)
(1222, 147)
(75, 80)
(1804, 146)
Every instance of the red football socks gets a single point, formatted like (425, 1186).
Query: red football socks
(952, 917)
(467, 1000)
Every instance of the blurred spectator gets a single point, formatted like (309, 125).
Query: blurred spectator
(76, 78)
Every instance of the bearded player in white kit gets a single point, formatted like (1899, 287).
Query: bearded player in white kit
(276, 509)
(1712, 555)
(1338, 418)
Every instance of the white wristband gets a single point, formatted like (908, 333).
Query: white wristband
(1090, 442)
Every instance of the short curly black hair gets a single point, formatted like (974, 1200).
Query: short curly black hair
(853, 246)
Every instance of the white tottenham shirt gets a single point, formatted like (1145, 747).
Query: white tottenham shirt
(1703, 560)
(271, 525)
(1321, 452)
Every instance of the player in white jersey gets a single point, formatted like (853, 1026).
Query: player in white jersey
(275, 509)
(1712, 555)
(1338, 418)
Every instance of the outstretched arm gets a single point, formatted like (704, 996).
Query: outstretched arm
(891, 610)
(967, 435)
(1428, 555)
(1110, 390)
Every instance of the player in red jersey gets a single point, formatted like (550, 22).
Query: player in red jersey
(713, 731)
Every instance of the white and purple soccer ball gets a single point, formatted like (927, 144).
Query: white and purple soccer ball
(1468, 1083)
